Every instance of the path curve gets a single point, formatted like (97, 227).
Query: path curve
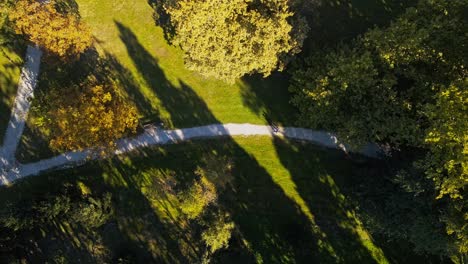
(154, 136)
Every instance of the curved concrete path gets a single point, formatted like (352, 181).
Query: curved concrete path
(11, 170)
(153, 136)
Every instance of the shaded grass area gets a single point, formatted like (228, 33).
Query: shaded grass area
(291, 203)
(11, 60)
(282, 215)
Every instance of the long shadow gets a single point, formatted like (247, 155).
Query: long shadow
(6, 90)
(269, 95)
(141, 226)
(125, 80)
(162, 18)
(318, 174)
(182, 103)
(335, 186)
(274, 225)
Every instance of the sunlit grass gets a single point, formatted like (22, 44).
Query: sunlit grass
(267, 157)
(10, 68)
(223, 100)
(353, 223)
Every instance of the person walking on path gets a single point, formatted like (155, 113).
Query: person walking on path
(270, 122)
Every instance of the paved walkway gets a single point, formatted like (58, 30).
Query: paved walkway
(24, 95)
(11, 170)
(26, 85)
(152, 137)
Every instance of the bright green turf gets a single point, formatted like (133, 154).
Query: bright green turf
(126, 30)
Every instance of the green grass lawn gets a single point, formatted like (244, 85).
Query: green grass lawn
(285, 198)
(151, 72)
(127, 31)
(10, 66)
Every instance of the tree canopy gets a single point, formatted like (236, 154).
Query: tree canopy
(227, 39)
(89, 115)
(406, 86)
(60, 34)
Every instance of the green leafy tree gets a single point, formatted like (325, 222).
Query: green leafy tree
(218, 233)
(5, 28)
(447, 138)
(227, 39)
(404, 85)
(94, 212)
(346, 91)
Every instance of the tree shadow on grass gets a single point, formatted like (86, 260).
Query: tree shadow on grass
(338, 190)
(182, 103)
(7, 89)
(270, 96)
(33, 146)
(318, 173)
(273, 227)
(276, 229)
(162, 19)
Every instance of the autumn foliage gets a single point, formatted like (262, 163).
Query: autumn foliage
(60, 34)
(227, 39)
(87, 116)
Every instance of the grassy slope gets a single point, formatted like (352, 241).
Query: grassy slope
(153, 74)
(10, 67)
(286, 202)
(223, 100)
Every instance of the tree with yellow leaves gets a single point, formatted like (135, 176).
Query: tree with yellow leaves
(227, 39)
(86, 116)
(60, 34)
